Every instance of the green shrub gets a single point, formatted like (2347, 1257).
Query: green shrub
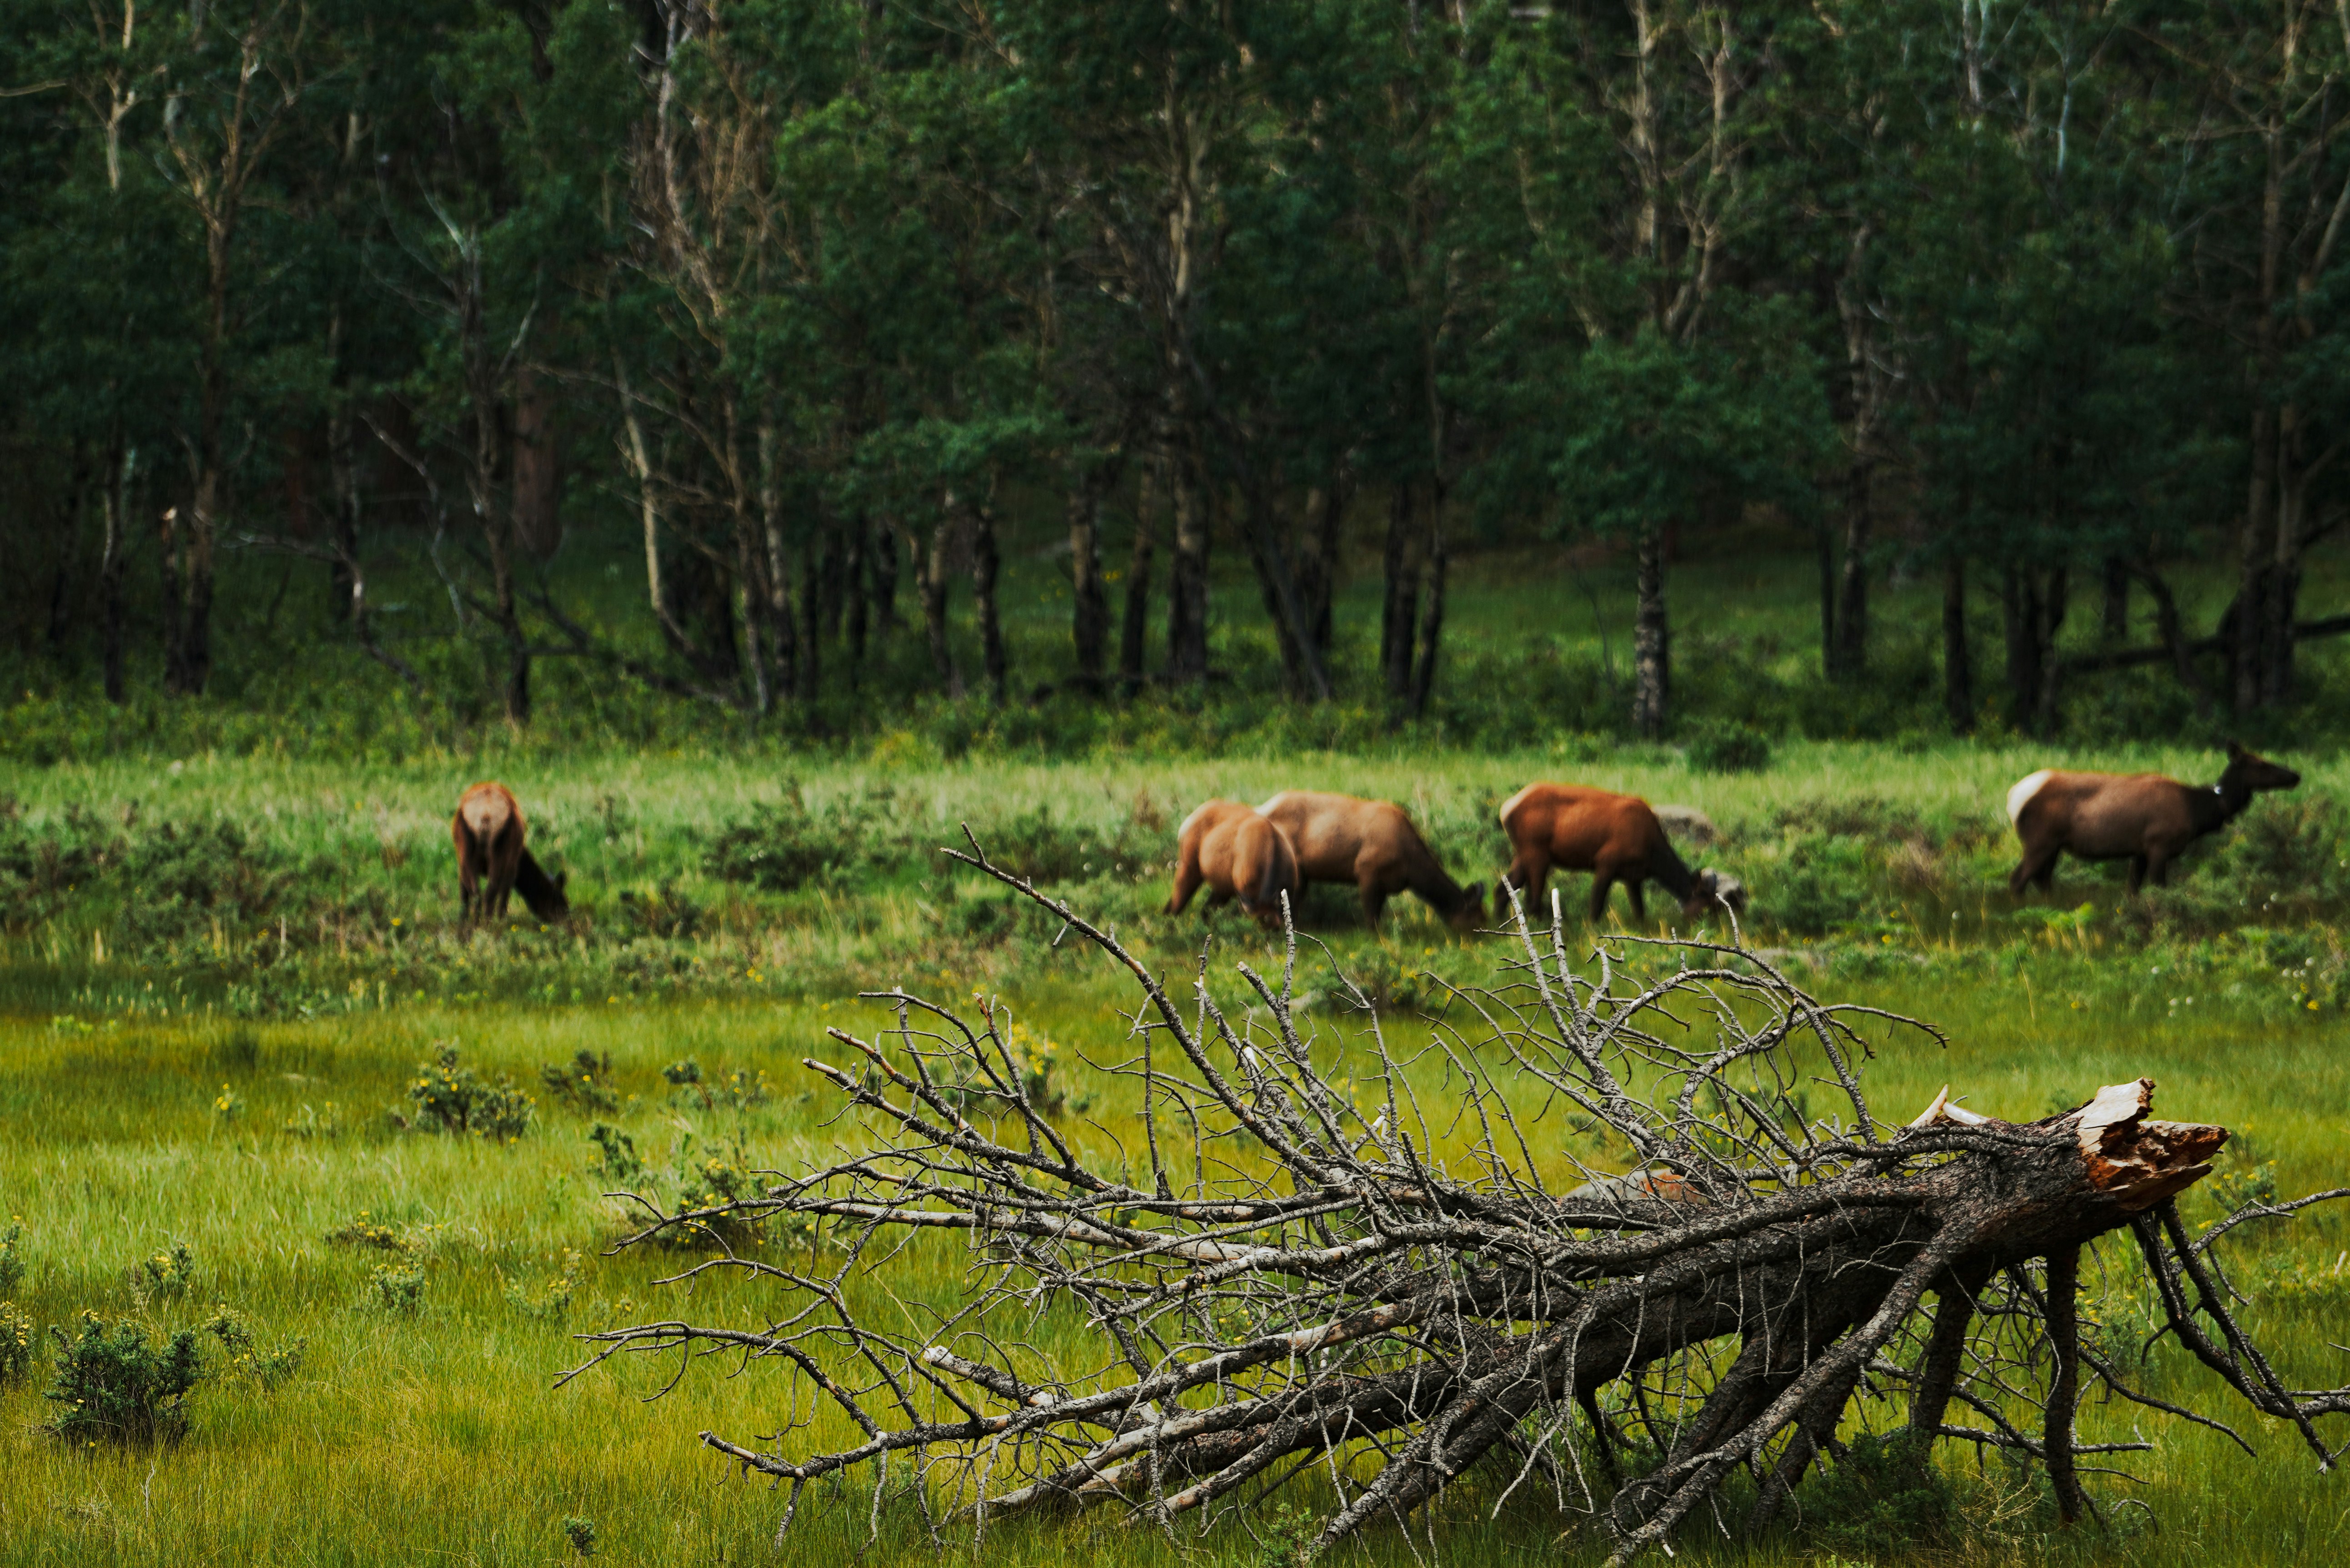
(12, 1258)
(271, 1368)
(397, 1288)
(620, 1161)
(1819, 883)
(1883, 1498)
(581, 1533)
(15, 1343)
(454, 1099)
(789, 845)
(584, 1084)
(117, 1385)
(551, 1298)
(163, 1276)
(1718, 747)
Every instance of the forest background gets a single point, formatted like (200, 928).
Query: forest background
(818, 369)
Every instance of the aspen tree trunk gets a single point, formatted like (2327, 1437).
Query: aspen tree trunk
(778, 572)
(1402, 598)
(886, 537)
(1134, 628)
(1652, 649)
(2113, 626)
(985, 563)
(808, 662)
(1852, 595)
(1187, 581)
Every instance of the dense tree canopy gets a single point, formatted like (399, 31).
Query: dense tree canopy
(820, 297)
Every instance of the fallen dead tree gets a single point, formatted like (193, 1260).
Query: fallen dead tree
(1290, 1269)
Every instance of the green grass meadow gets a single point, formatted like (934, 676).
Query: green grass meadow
(317, 959)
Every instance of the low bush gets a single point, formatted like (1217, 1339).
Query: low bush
(163, 1276)
(272, 1367)
(453, 1099)
(1727, 747)
(12, 1267)
(118, 1385)
(549, 1299)
(584, 1084)
(17, 1333)
(1883, 1498)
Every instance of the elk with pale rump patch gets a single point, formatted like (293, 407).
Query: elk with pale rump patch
(1373, 847)
(1238, 852)
(2146, 818)
(1616, 837)
(494, 861)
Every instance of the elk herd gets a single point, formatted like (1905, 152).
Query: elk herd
(1264, 855)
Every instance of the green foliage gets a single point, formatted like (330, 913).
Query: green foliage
(121, 1385)
(550, 1298)
(581, 1533)
(617, 1153)
(1883, 1498)
(396, 1288)
(1717, 747)
(12, 1266)
(271, 1366)
(164, 1276)
(584, 1084)
(16, 1339)
(455, 1100)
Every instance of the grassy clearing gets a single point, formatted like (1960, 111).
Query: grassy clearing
(411, 1436)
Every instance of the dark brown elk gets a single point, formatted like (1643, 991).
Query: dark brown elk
(494, 861)
(1372, 846)
(1616, 837)
(1238, 852)
(2145, 818)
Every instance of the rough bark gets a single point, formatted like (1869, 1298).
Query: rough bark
(1317, 565)
(1343, 1292)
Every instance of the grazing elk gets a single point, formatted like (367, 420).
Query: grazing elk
(1238, 852)
(1373, 847)
(492, 860)
(2147, 818)
(1616, 837)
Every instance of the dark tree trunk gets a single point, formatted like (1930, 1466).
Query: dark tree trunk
(858, 595)
(2019, 605)
(1133, 629)
(1187, 583)
(1823, 537)
(116, 497)
(2052, 600)
(537, 478)
(1852, 590)
(1651, 643)
(167, 541)
(1317, 567)
(886, 536)
(985, 563)
(835, 575)
(2113, 626)
(1301, 662)
(1958, 658)
(933, 583)
(2173, 636)
(808, 655)
(1431, 621)
(1089, 610)
(1396, 632)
